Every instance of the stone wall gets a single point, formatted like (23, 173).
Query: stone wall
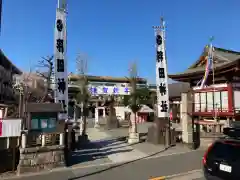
(35, 159)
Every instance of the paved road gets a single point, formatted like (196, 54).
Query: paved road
(137, 170)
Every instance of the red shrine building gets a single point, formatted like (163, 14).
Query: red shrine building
(219, 100)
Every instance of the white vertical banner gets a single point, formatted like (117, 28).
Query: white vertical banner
(60, 66)
(161, 74)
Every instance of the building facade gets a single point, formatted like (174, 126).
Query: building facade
(7, 93)
(7, 72)
(218, 100)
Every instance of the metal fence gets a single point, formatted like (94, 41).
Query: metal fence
(35, 140)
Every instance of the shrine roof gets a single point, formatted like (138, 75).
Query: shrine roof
(74, 77)
(222, 58)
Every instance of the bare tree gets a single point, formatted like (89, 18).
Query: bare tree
(134, 100)
(46, 63)
(83, 95)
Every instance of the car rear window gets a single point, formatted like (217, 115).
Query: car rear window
(226, 150)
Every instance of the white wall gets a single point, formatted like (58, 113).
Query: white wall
(120, 111)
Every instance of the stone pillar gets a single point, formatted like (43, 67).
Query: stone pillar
(104, 112)
(81, 123)
(8, 142)
(96, 125)
(74, 113)
(43, 140)
(133, 134)
(61, 139)
(181, 116)
(24, 140)
(186, 121)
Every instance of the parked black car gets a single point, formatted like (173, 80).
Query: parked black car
(222, 159)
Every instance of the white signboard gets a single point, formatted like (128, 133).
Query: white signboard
(203, 101)
(10, 127)
(108, 90)
(236, 95)
(161, 74)
(224, 100)
(197, 102)
(217, 100)
(209, 101)
(61, 75)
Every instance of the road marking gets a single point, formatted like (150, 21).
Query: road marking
(194, 174)
(159, 178)
(170, 154)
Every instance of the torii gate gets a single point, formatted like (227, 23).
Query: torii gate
(106, 90)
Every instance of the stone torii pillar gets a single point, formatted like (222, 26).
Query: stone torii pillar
(186, 119)
(96, 123)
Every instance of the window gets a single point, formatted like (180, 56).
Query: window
(43, 123)
(229, 150)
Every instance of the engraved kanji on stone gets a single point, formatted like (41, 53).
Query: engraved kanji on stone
(159, 56)
(60, 65)
(64, 105)
(164, 106)
(161, 72)
(59, 45)
(162, 89)
(59, 25)
(61, 85)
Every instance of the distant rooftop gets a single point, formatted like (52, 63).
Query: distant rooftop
(74, 77)
(6, 62)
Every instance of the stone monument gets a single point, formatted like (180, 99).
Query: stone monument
(42, 144)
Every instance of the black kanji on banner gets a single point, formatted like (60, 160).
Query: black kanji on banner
(60, 65)
(164, 106)
(162, 89)
(159, 56)
(59, 25)
(61, 85)
(60, 45)
(159, 40)
(64, 105)
(161, 72)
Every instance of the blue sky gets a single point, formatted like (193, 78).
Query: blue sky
(116, 32)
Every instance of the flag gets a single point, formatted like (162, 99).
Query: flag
(209, 65)
(0, 14)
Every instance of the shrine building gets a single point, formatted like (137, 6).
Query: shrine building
(219, 100)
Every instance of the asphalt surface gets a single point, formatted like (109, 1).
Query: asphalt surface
(137, 170)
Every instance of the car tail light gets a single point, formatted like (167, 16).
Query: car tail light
(204, 159)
